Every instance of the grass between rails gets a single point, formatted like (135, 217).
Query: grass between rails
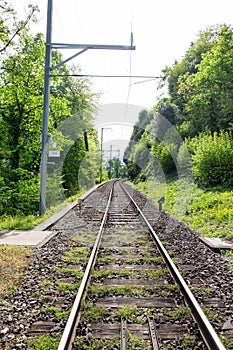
(209, 211)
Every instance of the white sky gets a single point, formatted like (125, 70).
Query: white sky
(163, 31)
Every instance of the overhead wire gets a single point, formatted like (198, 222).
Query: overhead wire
(130, 75)
(60, 21)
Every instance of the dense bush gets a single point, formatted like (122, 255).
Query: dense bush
(213, 159)
(164, 155)
(21, 195)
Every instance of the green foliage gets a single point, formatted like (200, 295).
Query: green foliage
(21, 106)
(199, 109)
(44, 342)
(163, 154)
(10, 27)
(115, 168)
(92, 313)
(184, 162)
(208, 211)
(179, 74)
(71, 166)
(144, 119)
(81, 166)
(55, 193)
(21, 196)
(213, 159)
(209, 102)
(180, 314)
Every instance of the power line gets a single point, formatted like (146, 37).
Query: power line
(146, 81)
(151, 77)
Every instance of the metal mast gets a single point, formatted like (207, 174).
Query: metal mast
(45, 135)
(47, 75)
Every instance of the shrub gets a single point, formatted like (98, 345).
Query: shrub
(213, 160)
(20, 197)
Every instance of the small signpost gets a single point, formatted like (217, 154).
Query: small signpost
(54, 154)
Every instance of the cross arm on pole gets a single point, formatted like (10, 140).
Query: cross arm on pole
(92, 46)
(84, 48)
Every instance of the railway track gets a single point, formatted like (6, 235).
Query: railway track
(132, 296)
(131, 300)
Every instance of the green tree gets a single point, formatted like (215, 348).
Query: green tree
(200, 84)
(209, 101)
(115, 168)
(10, 27)
(188, 65)
(81, 166)
(21, 91)
(144, 119)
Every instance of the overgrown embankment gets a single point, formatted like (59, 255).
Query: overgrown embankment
(210, 211)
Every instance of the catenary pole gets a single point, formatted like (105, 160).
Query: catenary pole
(101, 154)
(45, 136)
(47, 75)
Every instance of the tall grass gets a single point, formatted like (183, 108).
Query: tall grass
(210, 211)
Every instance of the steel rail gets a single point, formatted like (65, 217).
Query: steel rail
(208, 333)
(72, 322)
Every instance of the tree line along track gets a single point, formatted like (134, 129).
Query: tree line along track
(132, 302)
(128, 268)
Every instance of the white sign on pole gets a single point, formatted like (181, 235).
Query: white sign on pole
(54, 153)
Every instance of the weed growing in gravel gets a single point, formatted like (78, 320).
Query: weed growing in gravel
(129, 313)
(93, 313)
(116, 290)
(92, 343)
(75, 259)
(180, 314)
(11, 289)
(205, 291)
(68, 287)
(85, 239)
(46, 285)
(68, 271)
(106, 260)
(77, 255)
(137, 343)
(127, 250)
(44, 342)
(80, 251)
(98, 274)
(155, 260)
(57, 311)
(210, 315)
(228, 343)
(189, 342)
(164, 291)
(158, 273)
